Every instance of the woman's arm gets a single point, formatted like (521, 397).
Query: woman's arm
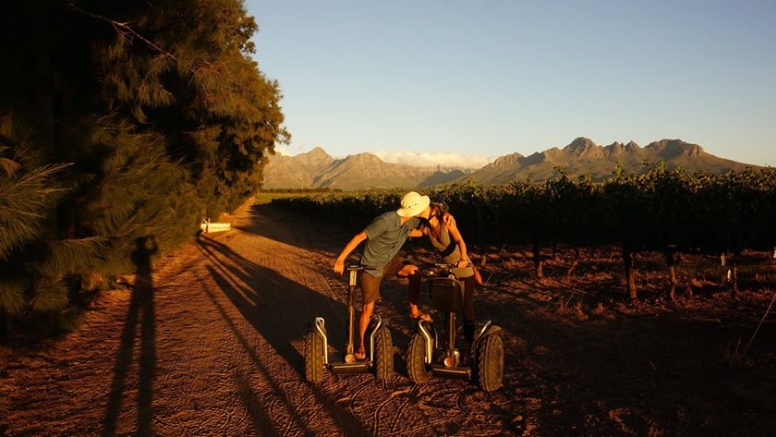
(448, 219)
(452, 229)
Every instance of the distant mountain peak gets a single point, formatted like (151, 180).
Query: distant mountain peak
(580, 143)
(317, 152)
(617, 148)
(316, 169)
(365, 158)
(584, 157)
(584, 148)
(669, 149)
(506, 160)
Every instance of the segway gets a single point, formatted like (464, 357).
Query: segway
(379, 351)
(427, 355)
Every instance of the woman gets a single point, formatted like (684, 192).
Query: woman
(447, 240)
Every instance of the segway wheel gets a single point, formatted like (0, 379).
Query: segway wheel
(383, 353)
(490, 362)
(416, 360)
(313, 357)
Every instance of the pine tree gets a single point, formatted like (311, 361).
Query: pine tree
(144, 118)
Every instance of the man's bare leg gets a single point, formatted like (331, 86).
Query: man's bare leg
(363, 323)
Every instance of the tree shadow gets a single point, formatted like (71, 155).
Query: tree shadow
(141, 312)
(271, 304)
(319, 237)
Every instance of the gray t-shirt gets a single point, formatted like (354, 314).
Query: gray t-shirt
(385, 237)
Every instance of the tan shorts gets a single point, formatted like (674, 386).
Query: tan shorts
(370, 285)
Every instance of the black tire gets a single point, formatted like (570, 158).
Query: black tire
(490, 362)
(314, 364)
(416, 360)
(383, 353)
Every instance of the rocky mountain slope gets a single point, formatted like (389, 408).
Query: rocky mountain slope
(584, 157)
(316, 169)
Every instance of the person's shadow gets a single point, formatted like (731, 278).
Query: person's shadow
(141, 311)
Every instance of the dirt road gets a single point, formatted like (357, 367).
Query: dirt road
(212, 345)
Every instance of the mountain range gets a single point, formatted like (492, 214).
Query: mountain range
(317, 169)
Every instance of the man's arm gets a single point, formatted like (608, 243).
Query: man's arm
(417, 232)
(339, 264)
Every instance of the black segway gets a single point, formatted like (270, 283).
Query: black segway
(429, 355)
(379, 351)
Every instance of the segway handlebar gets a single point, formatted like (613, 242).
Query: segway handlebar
(353, 270)
(436, 269)
(361, 267)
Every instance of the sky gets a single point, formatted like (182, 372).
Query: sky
(457, 82)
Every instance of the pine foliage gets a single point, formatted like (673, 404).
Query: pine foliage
(139, 119)
(25, 198)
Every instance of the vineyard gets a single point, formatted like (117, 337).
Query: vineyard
(212, 343)
(667, 212)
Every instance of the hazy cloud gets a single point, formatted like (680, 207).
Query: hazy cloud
(415, 159)
(431, 159)
(283, 149)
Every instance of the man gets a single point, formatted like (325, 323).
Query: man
(384, 238)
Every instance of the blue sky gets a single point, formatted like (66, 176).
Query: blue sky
(444, 80)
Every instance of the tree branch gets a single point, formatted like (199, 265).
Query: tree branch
(122, 27)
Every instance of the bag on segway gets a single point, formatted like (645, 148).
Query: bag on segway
(447, 294)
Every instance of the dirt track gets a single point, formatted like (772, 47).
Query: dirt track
(213, 346)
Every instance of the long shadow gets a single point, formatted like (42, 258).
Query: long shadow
(318, 236)
(269, 301)
(256, 407)
(264, 299)
(141, 311)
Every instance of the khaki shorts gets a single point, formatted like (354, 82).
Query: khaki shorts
(370, 285)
